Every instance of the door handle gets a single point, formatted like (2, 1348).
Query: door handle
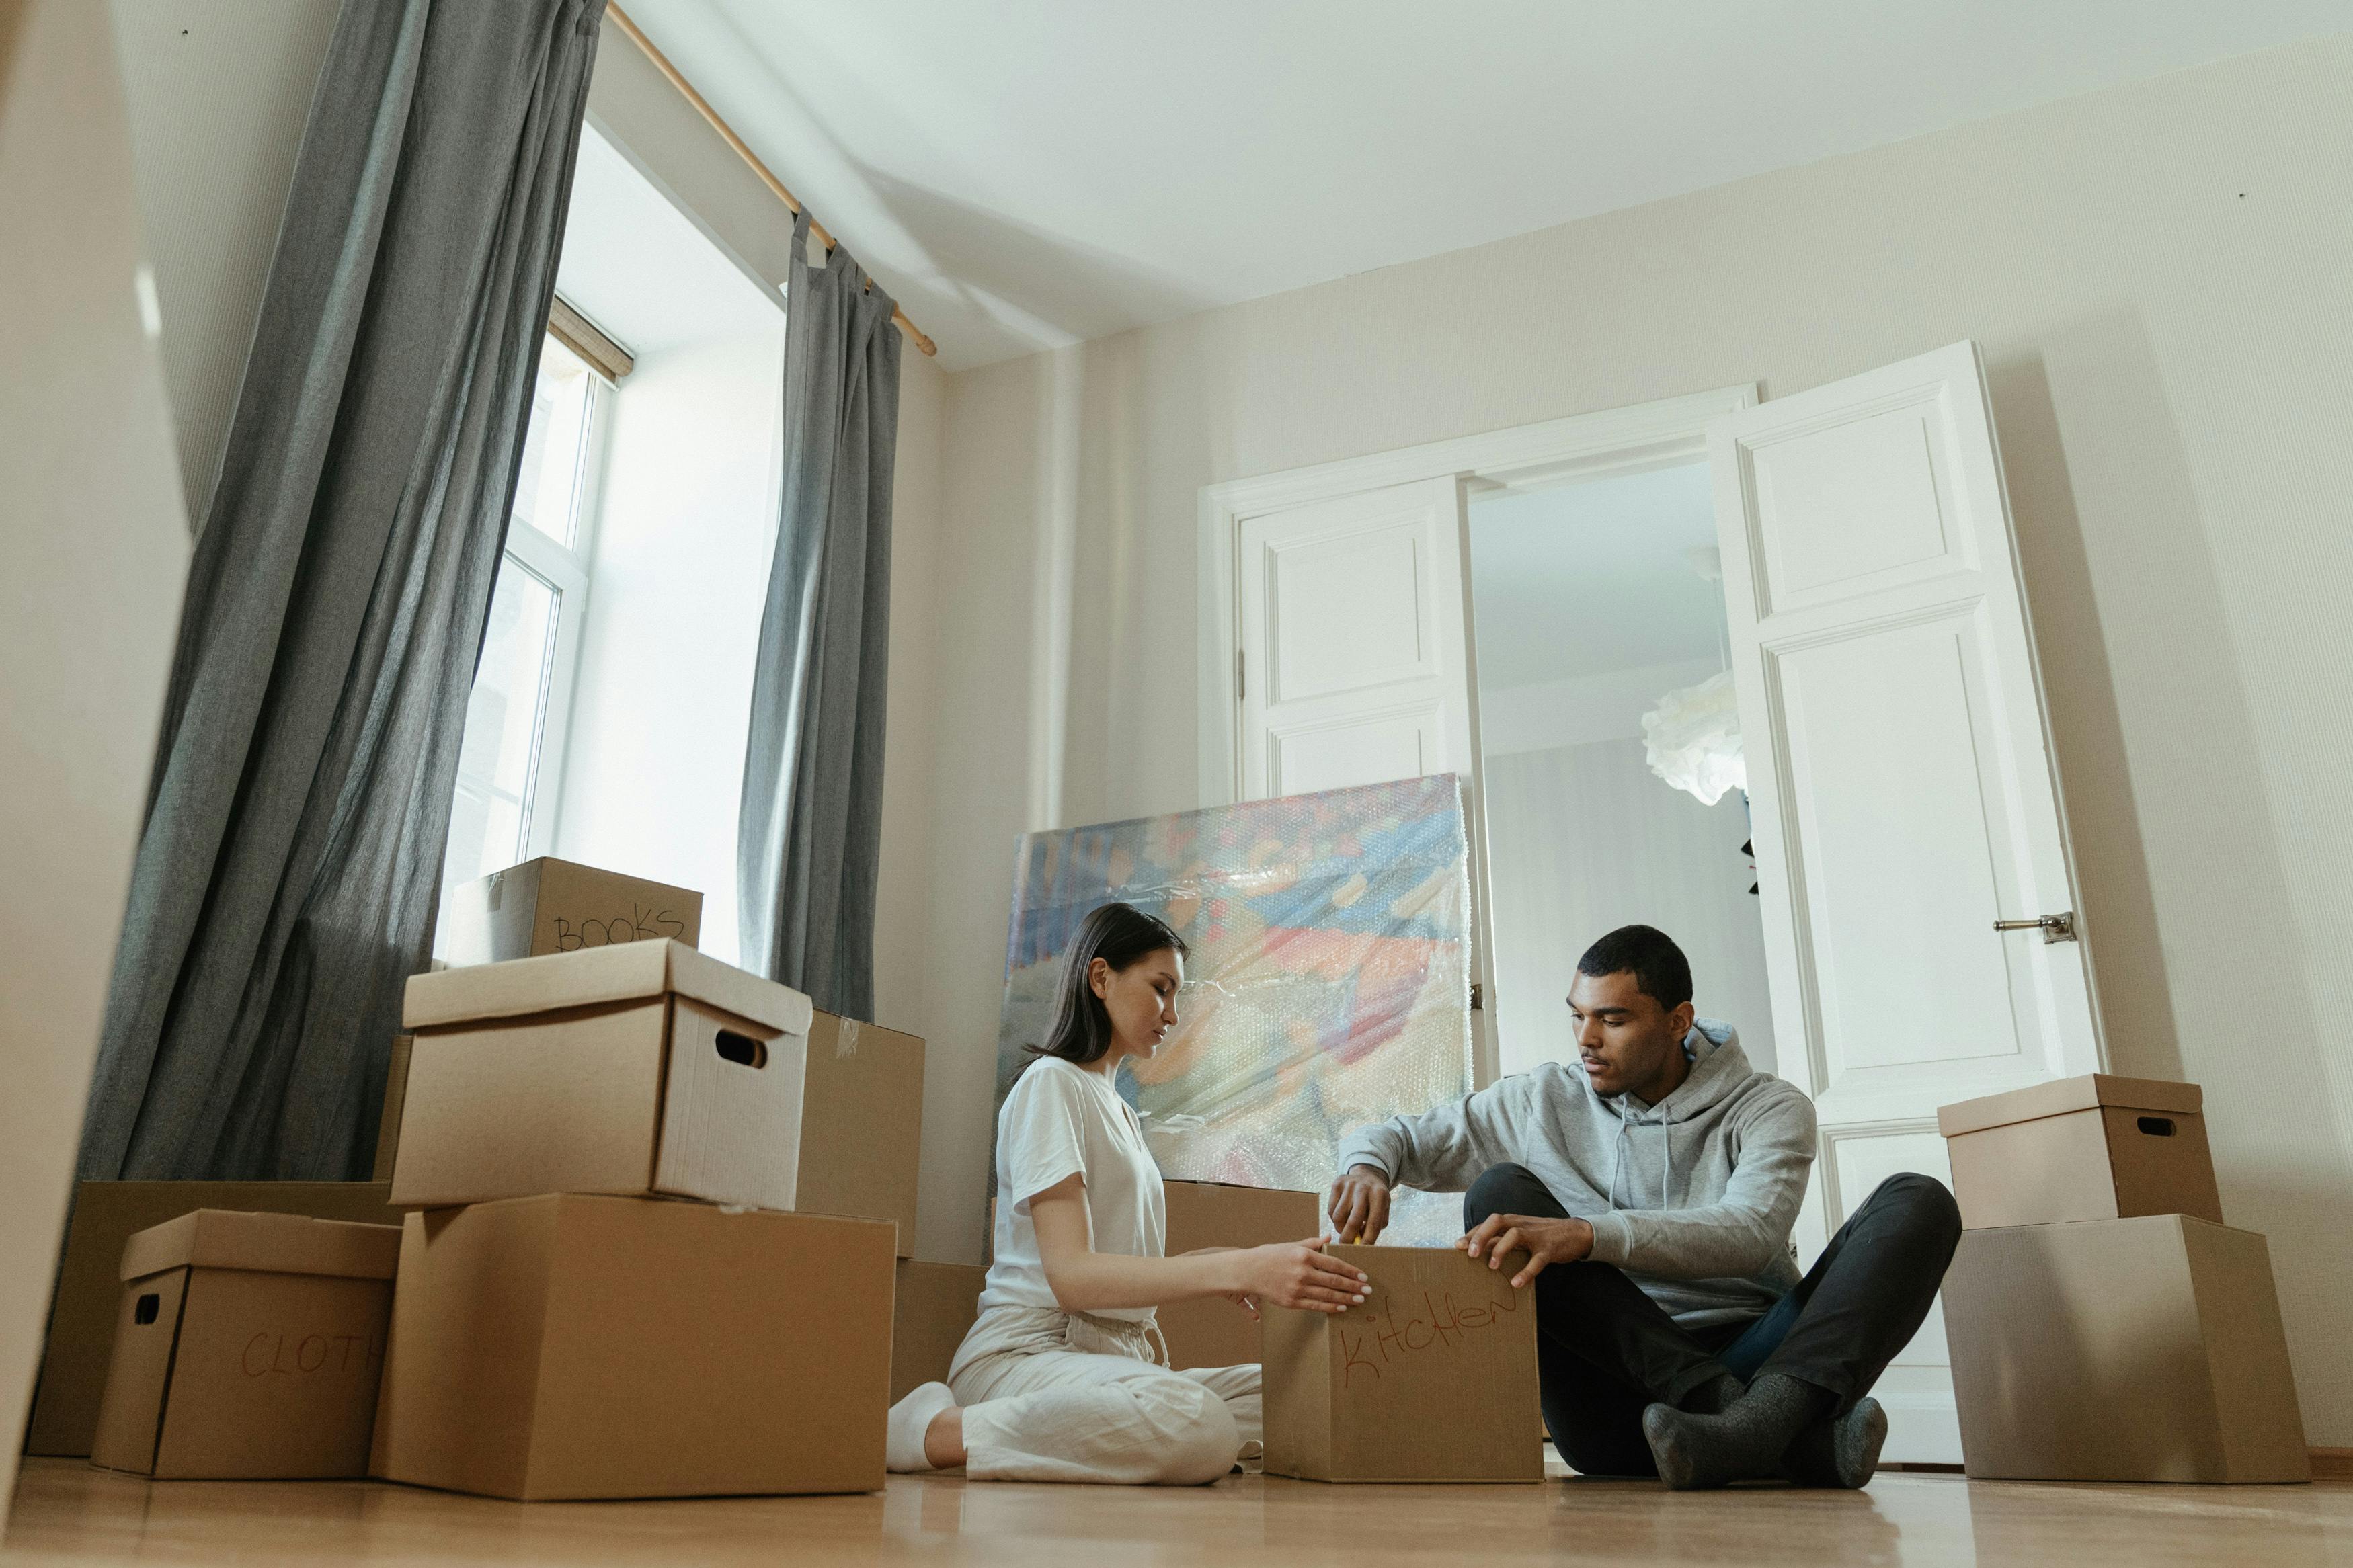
(2054, 927)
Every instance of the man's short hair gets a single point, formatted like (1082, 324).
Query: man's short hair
(1659, 969)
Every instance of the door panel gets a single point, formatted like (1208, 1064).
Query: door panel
(1353, 750)
(1357, 661)
(1888, 792)
(1853, 506)
(1901, 785)
(1855, 1162)
(1355, 652)
(1349, 610)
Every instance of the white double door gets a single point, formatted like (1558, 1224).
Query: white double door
(1900, 781)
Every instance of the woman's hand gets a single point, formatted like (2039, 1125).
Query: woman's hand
(1298, 1274)
(1238, 1298)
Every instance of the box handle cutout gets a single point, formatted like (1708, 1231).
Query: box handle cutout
(741, 1049)
(149, 1305)
(2157, 1126)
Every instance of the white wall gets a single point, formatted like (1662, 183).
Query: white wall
(1580, 708)
(903, 993)
(92, 557)
(1585, 838)
(2158, 276)
(655, 758)
(219, 91)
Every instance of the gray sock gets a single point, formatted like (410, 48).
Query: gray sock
(1713, 1397)
(1746, 1441)
(1842, 1452)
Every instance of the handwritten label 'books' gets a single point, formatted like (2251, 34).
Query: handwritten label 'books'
(548, 905)
(1433, 1379)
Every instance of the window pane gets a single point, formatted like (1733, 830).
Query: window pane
(489, 818)
(547, 491)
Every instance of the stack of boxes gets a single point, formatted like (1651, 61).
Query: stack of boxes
(609, 1292)
(660, 1213)
(2105, 1323)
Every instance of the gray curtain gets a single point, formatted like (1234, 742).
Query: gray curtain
(286, 881)
(811, 825)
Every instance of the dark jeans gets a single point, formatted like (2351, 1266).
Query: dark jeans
(1605, 1350)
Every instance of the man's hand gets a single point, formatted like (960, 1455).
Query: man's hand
(1546, 1241)
(1360, 1205)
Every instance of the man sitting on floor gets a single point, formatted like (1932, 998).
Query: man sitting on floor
(1653, 1192)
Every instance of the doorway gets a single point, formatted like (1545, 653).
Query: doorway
(1597, 603)
(1916, 898)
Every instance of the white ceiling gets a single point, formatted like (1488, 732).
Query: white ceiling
(1589, 579)
(1034, 172)
(639, 268)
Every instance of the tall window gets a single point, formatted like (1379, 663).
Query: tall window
(510, 764)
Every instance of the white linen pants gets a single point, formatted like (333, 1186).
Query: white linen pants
(1051, 1397)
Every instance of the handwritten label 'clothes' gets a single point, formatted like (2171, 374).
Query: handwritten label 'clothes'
(1440, 1324)
(289, 1355)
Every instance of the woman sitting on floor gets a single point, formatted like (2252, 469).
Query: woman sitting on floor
(1059, 1379)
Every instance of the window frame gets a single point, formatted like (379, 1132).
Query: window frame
(567, 572)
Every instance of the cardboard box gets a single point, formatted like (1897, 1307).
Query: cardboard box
(862, 1124)
(81, 1319)
(2126, 1350)
(648, 1067)
(1213, 1214)
(930, 1315)
(395, 1098)
(2094, 1147)
(565, 1346)
(1431, 1380)
(248, 1345)
(548, 905)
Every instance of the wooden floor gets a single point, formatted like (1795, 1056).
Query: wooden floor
(68, 1513)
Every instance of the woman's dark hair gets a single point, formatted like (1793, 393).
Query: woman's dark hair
(1119, 935)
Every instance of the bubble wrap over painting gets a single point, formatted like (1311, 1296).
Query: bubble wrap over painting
(1328, 984)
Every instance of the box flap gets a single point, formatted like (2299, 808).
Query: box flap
(625, 973)
(2066, 1095)
(696, 973)
(272, 1243)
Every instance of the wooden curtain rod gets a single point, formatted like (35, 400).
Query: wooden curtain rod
(792, 202)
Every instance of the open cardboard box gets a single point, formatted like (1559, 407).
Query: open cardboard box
(570, 1346)
(247, 1346)
(1431, 1380)
(648, 1067)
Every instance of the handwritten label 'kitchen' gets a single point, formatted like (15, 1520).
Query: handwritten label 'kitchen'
(1436, 1327)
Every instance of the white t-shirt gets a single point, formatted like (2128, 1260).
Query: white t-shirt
(1062, 1119)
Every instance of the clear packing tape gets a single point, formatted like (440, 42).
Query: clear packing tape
(1328, 984)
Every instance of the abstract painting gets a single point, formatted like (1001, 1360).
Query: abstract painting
(1328, 984)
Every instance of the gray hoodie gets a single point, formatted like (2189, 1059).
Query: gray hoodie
(1693, 1198)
